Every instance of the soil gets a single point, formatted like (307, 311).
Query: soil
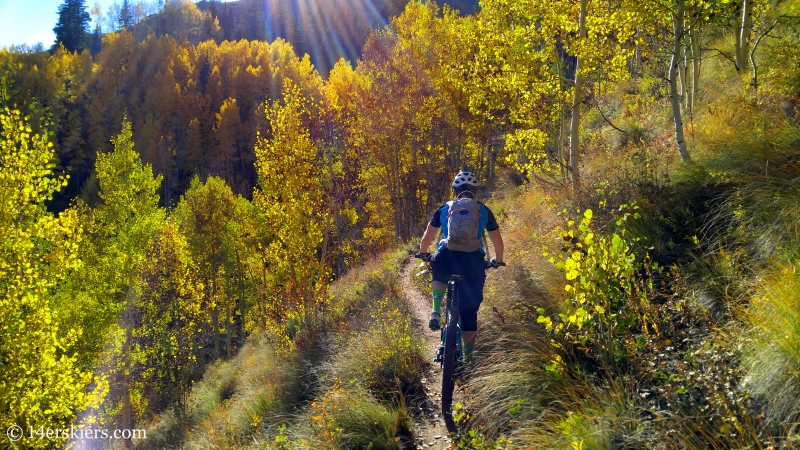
(429, 430)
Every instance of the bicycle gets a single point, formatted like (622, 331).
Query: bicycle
(450, 351)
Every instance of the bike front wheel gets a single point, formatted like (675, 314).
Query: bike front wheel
(448, 369)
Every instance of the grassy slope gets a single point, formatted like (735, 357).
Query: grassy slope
(345, 384)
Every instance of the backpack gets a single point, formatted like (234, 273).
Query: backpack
(462, 225)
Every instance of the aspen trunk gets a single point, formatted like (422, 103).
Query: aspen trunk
(127, 410)
(637, 62)
(228, 331)
(127, 416)
(264, 298)
(694, 47)
(673, 82)
(242, 304)
(414, 188)
(562, 157)
(688, 62)
(685, 51)
(737, 43)
(574, 155)
(682, 78)
(215, 321)
(562, 125)
(744, 31)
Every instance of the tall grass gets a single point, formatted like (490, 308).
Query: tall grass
(772, 358)
(387, 359)
(352, 418)
(371, 369)
(234, 401)
(757, 152)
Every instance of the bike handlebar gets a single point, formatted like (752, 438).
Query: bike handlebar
(494, 264)
(489, 264)
(423, 256)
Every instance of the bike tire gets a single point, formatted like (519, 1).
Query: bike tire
(448, 368)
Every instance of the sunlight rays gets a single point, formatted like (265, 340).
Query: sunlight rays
(326, 30)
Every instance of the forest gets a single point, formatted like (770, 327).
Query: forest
(208, 210)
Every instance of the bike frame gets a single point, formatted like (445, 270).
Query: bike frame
(451, 306)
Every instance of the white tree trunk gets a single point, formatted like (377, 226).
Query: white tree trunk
(637, 59)
(562, 111)
(574, 150)
(743, 38)
(694, 47)
(673, 82)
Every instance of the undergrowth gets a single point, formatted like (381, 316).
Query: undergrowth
(673, 327)
(346, 383)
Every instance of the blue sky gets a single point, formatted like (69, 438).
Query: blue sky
(32, 21)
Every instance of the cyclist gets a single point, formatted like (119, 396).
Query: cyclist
(469, 264)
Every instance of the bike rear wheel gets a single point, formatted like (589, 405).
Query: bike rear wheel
(448, 368)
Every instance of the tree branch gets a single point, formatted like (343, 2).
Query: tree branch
(597, 104)
(753, 52)
(725, 55)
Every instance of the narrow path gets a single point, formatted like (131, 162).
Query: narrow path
(429, 430)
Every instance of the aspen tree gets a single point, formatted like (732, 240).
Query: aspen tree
(122, 228)
(203, 215)
(521, 84)
(289, 199)
(117, 232)
(165, 344)
(41, 384)
(226, 133)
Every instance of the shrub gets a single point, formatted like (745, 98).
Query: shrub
(605, 284)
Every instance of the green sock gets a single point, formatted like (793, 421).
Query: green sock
(438, 295)
(468, 351)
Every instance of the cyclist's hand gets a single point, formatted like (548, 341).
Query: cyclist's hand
(423, 256)
(495, 263)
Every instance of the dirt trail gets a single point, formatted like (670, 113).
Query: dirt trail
(430, 431)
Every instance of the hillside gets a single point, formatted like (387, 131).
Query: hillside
(326, 31)
(210, 241)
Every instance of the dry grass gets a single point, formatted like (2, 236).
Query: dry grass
(235, 400)
(772, 358)
(373, 366)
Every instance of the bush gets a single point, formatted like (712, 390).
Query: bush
(607, 287)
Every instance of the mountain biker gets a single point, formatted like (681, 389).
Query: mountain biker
(470, 265)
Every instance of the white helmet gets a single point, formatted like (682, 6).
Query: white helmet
(465, 178)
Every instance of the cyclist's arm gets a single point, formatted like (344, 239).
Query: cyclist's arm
(427, 238)
(497, 243)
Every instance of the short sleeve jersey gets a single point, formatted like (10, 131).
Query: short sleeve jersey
(486, 221)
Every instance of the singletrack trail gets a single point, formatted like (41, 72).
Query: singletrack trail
(430, 431)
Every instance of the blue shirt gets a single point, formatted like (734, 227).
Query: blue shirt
(486, 222)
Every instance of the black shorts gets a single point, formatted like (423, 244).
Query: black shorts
(472, 268)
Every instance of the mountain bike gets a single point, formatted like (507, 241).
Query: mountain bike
(450, 351)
